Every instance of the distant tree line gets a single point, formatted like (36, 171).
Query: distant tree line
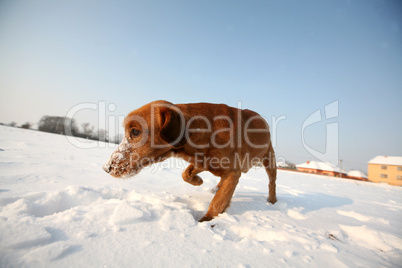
(67, 126)
(58, 124)
(26, 125)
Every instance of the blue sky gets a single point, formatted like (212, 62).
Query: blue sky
(279, 58)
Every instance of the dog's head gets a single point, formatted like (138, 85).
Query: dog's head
(151, 132)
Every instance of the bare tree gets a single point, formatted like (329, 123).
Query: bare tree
(87, 130)
(117, 139)
(27, 125)
(102, 135)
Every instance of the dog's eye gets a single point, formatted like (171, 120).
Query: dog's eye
(135, 133)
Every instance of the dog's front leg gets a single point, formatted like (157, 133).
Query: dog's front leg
(223, 196)
(190, 175)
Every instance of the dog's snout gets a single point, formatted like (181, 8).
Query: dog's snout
(107, 168)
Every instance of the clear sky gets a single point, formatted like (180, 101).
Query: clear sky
(279, 58)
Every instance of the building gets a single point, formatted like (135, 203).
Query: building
(320, 168)
(386, 169)
(356, 175)
(282, 164)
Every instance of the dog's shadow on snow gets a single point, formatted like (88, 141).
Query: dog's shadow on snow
(304, 203)
(257, 201)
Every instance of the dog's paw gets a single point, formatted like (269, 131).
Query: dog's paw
(196, 180)
(205, 218)
(272, 200)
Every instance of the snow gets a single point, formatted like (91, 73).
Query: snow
(356, 174)
(387, 160)
(58, 208)
(319, 166)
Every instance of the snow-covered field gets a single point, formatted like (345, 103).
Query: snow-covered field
(58, 208)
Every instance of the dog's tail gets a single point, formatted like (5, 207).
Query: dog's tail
(270, 166)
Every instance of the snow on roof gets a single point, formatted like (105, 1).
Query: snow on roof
(387, 160)
(357, 174)
(319, 166)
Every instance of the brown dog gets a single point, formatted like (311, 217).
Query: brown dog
(217, 138)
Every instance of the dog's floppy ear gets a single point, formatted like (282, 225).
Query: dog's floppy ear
(172, 126)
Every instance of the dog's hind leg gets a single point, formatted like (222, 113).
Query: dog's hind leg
(190, 175)
(269, 162)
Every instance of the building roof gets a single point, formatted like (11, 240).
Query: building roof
(319, 166)
(387, 160)
(357, 174)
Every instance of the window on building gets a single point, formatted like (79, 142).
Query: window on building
(384, 176)
(399, 168)
(399, 177)
(383, 167)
